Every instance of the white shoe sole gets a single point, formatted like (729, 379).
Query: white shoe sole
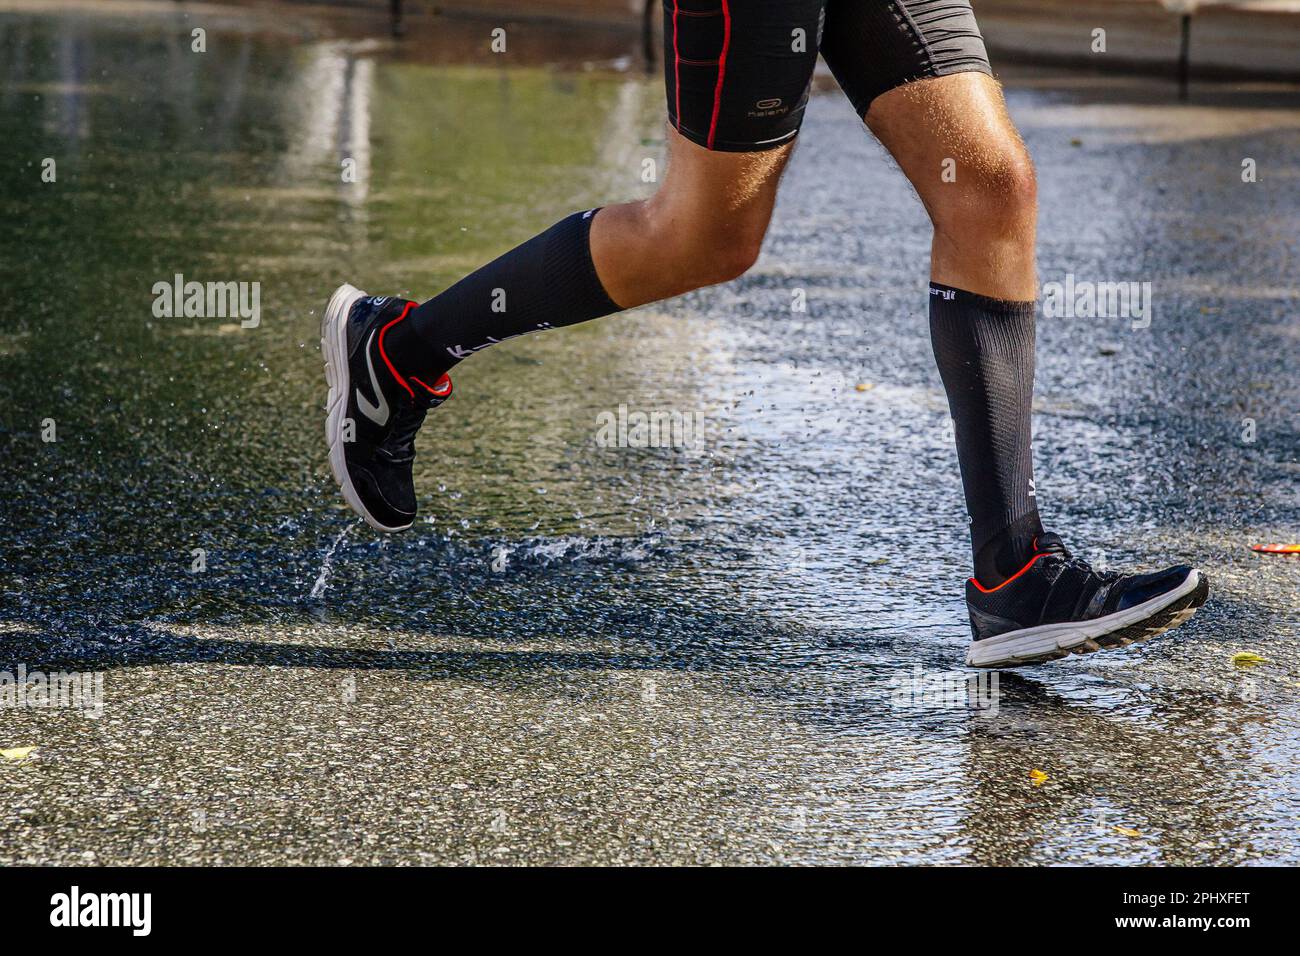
(334, 349)
(1047, 642)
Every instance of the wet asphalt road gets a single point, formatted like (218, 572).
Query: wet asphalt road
(605, 654)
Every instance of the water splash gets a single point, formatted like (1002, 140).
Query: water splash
(322, 579)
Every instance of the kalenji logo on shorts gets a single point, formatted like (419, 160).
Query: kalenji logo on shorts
(74, 909)
(769, 107)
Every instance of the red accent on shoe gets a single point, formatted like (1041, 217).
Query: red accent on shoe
(384, 355)
(441, 388)
(985, 590)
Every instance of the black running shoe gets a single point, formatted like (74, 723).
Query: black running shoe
(373, 410)
(1057, 605)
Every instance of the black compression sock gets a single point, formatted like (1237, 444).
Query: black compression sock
(985, 351)
(548, 282)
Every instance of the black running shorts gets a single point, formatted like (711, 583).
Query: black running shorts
(738, 71)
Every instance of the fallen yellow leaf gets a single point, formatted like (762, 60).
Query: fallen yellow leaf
(17, 753)
(1037, 777)
(864, 386)
(1246, 659)
(1127, 832)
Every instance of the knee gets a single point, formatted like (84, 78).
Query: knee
(727, 254)
(700, 253)
(996, 198)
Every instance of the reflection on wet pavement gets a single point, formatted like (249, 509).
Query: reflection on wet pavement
(592, 653)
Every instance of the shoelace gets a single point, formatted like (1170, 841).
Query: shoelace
(1066, 560)
(399, 447)
(1056, 549)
